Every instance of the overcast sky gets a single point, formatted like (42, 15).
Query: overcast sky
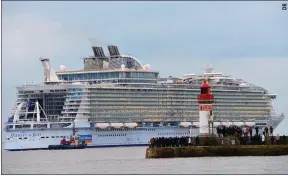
(245, 39)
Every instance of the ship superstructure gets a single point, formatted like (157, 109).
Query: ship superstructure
(116, 100)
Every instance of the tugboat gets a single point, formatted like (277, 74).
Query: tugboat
(73, 143)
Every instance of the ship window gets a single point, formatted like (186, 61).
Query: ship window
(18, 126)
(20, 138)
(42, 137)
(53, 136)
(9, 126)
(25, 137)
(26, 126)
(40, 126)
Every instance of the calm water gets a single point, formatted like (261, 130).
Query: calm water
(131, 160)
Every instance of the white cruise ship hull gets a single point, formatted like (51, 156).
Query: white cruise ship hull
(41, 139)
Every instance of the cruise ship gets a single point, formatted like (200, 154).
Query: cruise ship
(116, 101)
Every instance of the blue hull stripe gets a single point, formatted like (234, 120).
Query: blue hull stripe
(99, 146)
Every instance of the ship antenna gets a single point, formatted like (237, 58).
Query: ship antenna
(209, 68)
(73, 128)
(206, 79)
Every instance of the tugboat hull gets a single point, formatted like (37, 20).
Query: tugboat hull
(66, 147)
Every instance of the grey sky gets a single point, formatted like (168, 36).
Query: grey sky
(245, 39)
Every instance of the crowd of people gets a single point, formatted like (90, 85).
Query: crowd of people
(237, 131)
(172, 141)
(246, 135)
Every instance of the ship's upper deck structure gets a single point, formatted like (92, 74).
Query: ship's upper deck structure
(118, 88)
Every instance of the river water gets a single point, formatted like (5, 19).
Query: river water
(131, 160)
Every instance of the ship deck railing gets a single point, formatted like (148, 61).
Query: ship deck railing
(152, 85)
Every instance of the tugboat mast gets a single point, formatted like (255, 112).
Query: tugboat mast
(73, 129)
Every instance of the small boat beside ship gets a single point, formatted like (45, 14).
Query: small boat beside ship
(75, 142)
(67, 146)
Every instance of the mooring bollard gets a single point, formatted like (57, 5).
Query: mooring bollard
(147, 153)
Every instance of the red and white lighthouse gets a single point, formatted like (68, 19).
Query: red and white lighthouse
(205, 101)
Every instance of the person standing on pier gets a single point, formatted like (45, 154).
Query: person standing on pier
(245, 131)
(263, 131)
(219, 131)
(257, 130)
(263, 138)
(250, 131)
(224, 131)
(271, 131)
(266, 131)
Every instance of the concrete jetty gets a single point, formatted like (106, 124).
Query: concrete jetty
(217, 146)
(210, 151)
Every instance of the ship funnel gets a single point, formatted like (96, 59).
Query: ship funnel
(98, 51)
(49, 74)
(113, 50)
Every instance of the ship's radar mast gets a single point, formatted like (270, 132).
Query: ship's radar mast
(209, 68)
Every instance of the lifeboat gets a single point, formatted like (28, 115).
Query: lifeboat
(238, 123)
(130, 125)
(227, 124)
(116, 125)
(139, 124)
(249, 123)
(101, 125)
(216, 124)
(196, 124)
(185, 124)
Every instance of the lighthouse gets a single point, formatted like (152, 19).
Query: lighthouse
(205, 101)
